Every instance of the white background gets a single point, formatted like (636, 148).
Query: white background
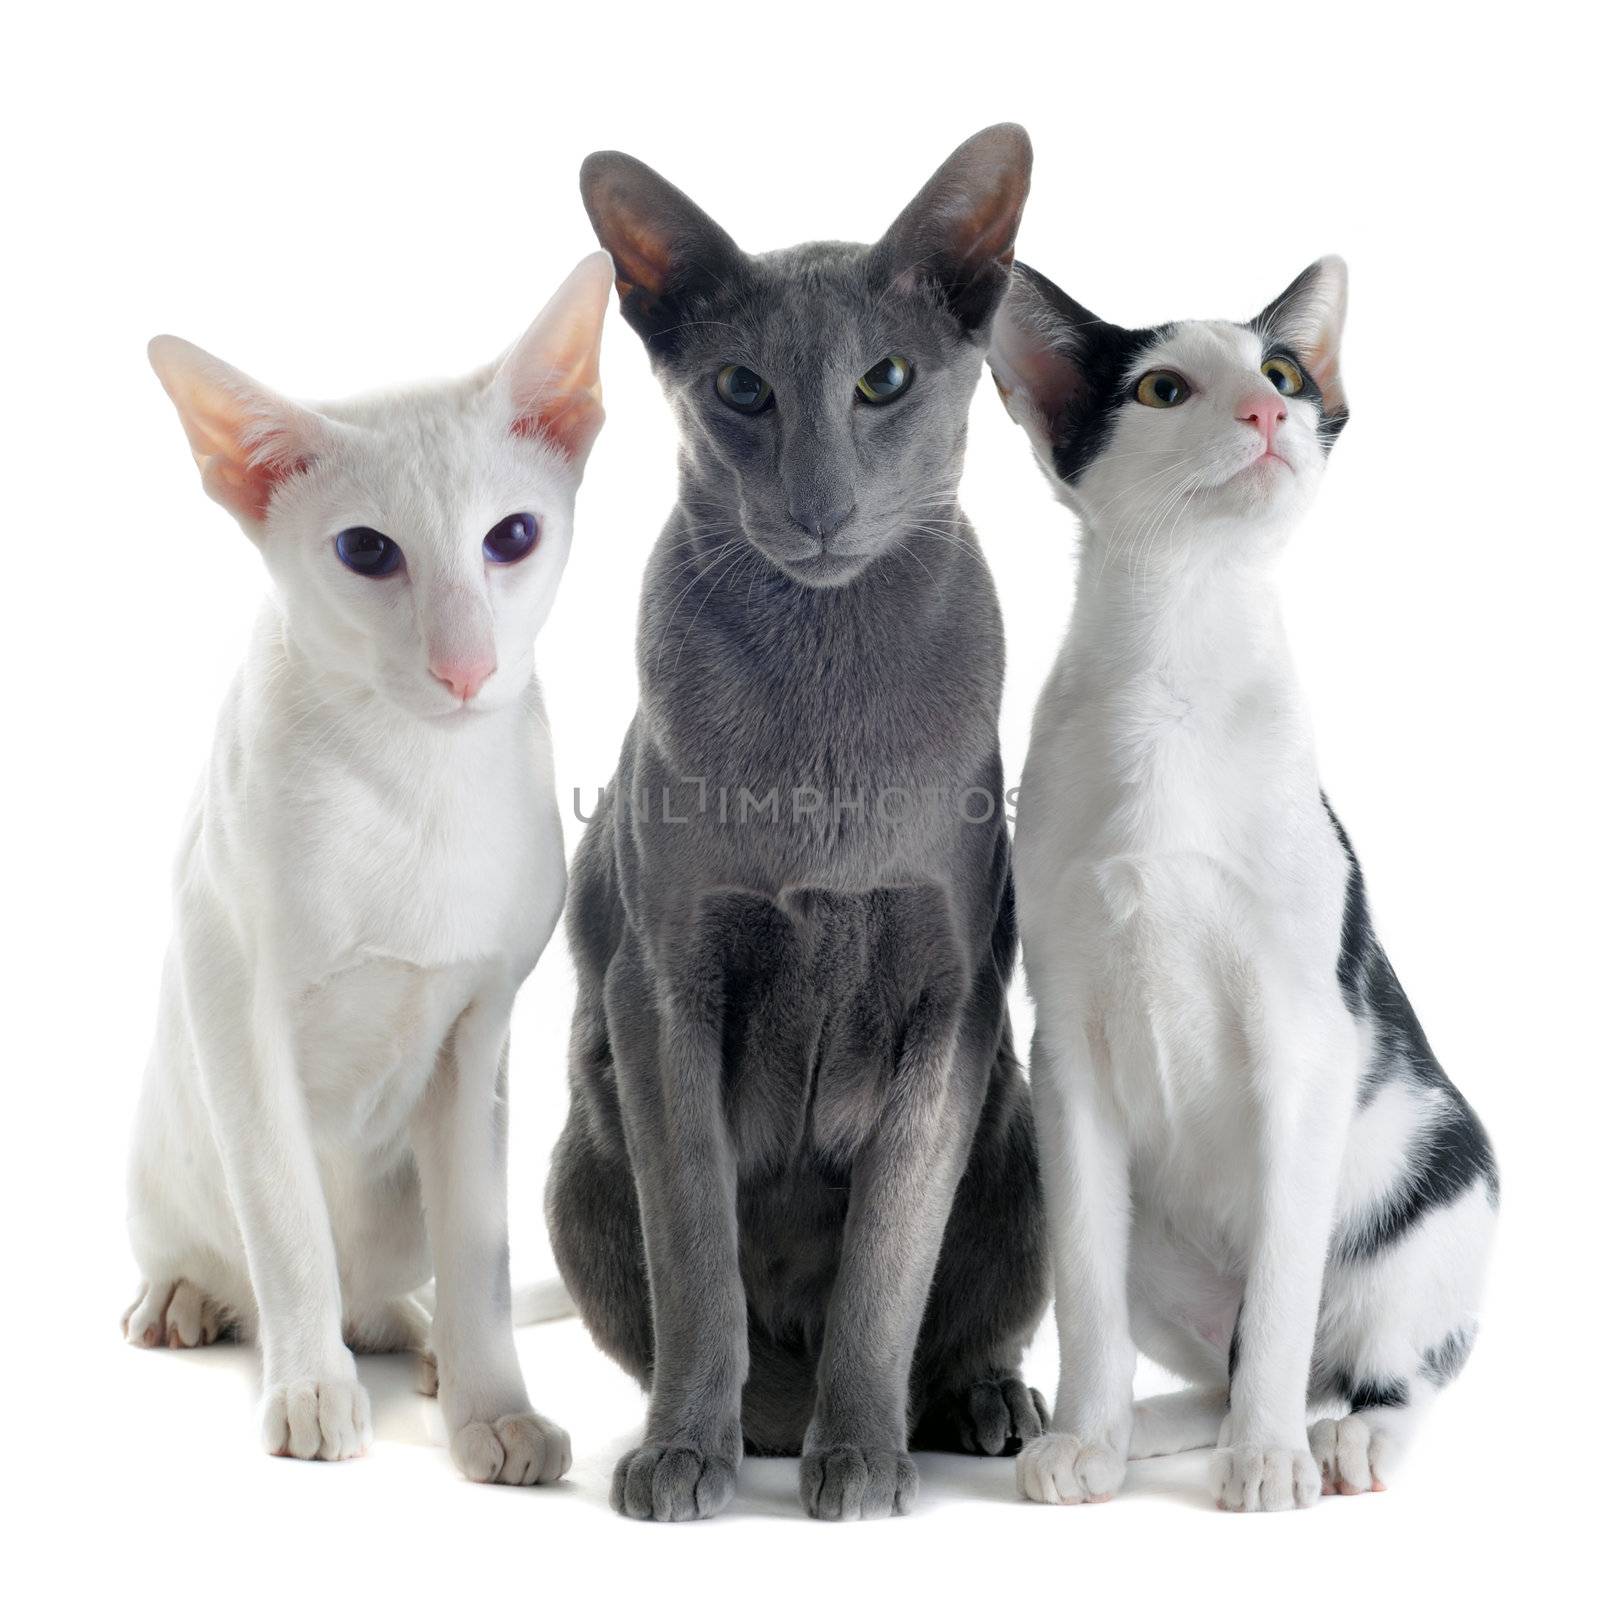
(337, 198)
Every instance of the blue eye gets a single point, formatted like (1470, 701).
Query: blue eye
(511, 539)
(372, 554)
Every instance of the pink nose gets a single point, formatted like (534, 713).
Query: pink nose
(1265, 413)
(463, 678)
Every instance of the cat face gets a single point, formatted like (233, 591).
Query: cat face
(1201, 428)
(821, 391)
(416, 539)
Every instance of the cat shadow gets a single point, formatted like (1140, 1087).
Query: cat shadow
(401, 1414)
(769, 1486)
(950, 1477)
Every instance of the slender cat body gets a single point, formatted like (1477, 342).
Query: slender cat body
(1256, 1172)
(794, 1095)
(372, 864)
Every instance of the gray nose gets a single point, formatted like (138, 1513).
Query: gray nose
(822, 522)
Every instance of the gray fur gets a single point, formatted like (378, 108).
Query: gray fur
(794, 1095)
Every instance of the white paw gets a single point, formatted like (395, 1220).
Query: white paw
(175, 1314)
(1247, 1477)
(1350, 1454)
(1059, 1469)
(525, 1448)
(316, 1419)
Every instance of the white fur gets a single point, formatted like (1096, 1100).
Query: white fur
(370, 869)
(1181, 893)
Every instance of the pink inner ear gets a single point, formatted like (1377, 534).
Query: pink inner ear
(569, 421)
(245, 440)
(1026, 358)
(243, 457)
(245, 487)
(991, 233)
(552, 375)
(1323, 357)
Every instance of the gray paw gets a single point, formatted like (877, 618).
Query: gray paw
(844, 1484)
(995, 1417)
(671, 1483)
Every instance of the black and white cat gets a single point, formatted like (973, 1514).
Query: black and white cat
(1255, 1170)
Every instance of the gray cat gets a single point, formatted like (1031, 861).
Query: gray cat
(799, 1134)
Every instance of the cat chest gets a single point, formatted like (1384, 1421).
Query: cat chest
(1194, 988)
(430, 893)
(367, 1041)
(1150, 971)
(825, 999)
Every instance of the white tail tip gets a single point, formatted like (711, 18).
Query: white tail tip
(541, 1302)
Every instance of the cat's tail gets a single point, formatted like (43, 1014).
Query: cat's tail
(541, 1302)
(547, 1301)
(1165, 1424)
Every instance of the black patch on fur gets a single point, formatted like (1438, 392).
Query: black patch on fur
(1110, 356)
(1234, 1345)
(1330, 421)
(1107, 359)
(1444, 1361)
(1105, 356)
(1373, 1394)
(1449, 1156)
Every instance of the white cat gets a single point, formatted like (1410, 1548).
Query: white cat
(371, 868)
(1256, 1172)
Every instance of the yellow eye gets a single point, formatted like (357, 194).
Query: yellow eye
(1161, 389)
(885, 381)
(1284, 375)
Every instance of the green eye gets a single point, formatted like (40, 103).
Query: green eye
(886, 381)
(1284, 375)
(744, 390)
(1161, 389)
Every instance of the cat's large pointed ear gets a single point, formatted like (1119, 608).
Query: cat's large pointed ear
(552, 374)
(1039, 352)
(961, 230)
(246, 439)
(1308, 317)
(666, 249)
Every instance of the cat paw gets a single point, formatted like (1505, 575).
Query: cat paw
(1248, 1477)
(427, 1374)
(173, 1313)
(1059, 1469)
(316, 1419)
(521, 1449)
(672, 1483)
(995, 1417)
(841, 1483)
(1350, 1454)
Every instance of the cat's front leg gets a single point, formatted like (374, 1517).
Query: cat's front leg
(669, 1077)
(1303, 1090)
(855, 1463)
(459, 1137)
(312, 1406)
(1083, 1162)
